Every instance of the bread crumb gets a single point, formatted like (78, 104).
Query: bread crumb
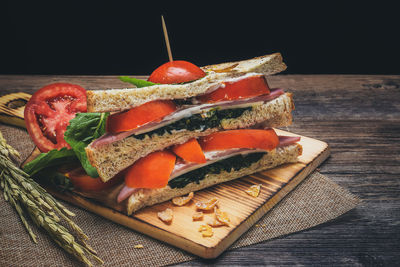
(215, 223)
(209, 205)
(180, 201)
(254, 190)
(221, 216)
(166, 215)
(206, 230)
(138, 246)
(197, 216)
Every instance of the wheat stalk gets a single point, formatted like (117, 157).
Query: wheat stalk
(30, 199)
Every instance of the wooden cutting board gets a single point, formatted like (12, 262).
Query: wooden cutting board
(244, 211)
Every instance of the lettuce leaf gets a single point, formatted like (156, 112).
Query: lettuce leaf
(50, 176)
(137, 82)
(52, 158)
(81, 131)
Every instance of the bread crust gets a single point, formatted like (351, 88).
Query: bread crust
(112, 158)
(148, 197)
(123, 99)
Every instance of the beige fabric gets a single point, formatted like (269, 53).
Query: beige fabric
(313, 202)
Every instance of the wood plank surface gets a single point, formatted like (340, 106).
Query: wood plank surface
(359, 116)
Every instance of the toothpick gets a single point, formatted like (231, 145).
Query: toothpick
(166, 38)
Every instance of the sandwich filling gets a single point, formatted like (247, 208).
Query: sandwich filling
(235, 161)
(202, 114)
(192, 118)
(241, 155)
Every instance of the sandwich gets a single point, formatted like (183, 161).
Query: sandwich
(170, 137)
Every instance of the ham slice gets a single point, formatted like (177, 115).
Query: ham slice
(288, 140)
(187, 112)
(125, 193)
(182, 167)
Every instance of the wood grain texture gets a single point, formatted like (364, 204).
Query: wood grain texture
(359, 116)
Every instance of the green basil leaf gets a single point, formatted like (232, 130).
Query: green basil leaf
(81, 131)
(52, 158)
(137, 82)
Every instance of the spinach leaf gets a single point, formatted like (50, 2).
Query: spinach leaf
(52, 158)
(234, 163)
(197, 122)
(50, 176)
(137, 82)
(82, 130)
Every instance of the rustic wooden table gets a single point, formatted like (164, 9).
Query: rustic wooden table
(359, 116)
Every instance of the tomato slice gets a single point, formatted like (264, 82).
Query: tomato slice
(84, 182)
(48, 112)
(190, 151)
(245, 138)
(152, 171)
(178, 71)
(140, 115)
(244, 88)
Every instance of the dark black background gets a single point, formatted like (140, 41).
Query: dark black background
(115, 37)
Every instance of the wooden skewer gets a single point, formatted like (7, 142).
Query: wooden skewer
(166, 38)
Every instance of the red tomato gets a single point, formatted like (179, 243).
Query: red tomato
(48, 112)
(84, 182)
(177, 71)
(245, 88)
(151, 171)
(140, 115)
(243, 138)
(190, 151)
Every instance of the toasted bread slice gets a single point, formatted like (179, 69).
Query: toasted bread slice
(148, 197)
(123, 99)
(112, 158)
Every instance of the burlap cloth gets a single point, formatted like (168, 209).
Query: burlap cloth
(316, 200)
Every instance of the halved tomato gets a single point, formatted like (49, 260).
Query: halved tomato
(84, 182)
(140, 115)
(48, 112)
(190, 151)
(244, 138)
(244, 88)
(151, 171)
(178, 71)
